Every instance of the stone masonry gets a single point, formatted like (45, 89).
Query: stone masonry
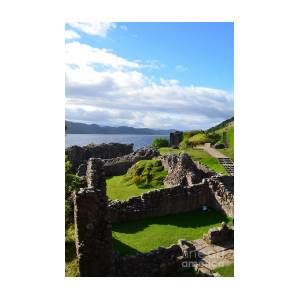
(181, 170)
(119, 165)
(78, 155)
(93, 232)
(176, 138)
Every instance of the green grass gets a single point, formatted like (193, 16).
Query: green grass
(198, 155)
(230, 136)
(148, 234)
(118, 188)
(144, 176)
(226, 271)
(71, 267)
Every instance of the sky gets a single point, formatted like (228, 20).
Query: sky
(154, 75)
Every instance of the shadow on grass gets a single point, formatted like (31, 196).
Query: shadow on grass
(123, 248)
(192, 219)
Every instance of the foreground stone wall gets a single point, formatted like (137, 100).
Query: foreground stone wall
(78, 155)
(93, 233)
(161, 203)
(159, 262)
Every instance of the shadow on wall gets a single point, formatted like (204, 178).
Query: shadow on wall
(187, 220)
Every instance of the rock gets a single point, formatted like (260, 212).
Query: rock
(220, 236)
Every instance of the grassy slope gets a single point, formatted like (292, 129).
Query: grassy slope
(144, 176)
(230, 150)
(146, 235)
(227, 271)
(198, 155)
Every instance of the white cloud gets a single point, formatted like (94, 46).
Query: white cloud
(94, 28)
(104, 88)
(71, 34)
(84, 55)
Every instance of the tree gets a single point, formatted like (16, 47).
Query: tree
(160, 142)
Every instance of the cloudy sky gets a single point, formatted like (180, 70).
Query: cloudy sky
(155, 75)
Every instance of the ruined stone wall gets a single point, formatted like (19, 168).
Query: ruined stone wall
(119, 165)
(93, 233)
(159, 262)
(161, 202)
(222, 190)
(78, 155)
(176, 138)
(213, 192)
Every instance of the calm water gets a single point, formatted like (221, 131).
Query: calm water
(137, 139)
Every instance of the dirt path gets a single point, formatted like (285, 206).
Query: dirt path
(211, 151)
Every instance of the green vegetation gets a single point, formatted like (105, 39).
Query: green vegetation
(197, 137)
(145, 175)
(230, 137)
(148, 234)
(226, 271)
(198, 155)
(71, 267)
(160, 142)
(72, 183)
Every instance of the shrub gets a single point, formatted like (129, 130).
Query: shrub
(199, 138)
(160, 142)
(72, 183)
(219, 146)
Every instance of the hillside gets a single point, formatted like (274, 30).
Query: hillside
(82, 128)
(227, 125)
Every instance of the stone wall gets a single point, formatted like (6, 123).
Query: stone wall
(176, 138)
(93, 233)
(181, 170)
(161, 203)
(159, 262)
(215, 192)
(78, 155)
(220, 236)
(222, 190)
(119, 165)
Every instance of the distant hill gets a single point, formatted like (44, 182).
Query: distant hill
(82, 128)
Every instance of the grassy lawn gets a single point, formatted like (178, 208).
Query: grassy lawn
(198, 155)
(226, 271)
(146, 235)
(118, 188)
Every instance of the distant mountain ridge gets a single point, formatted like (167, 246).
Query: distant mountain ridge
(82, 128)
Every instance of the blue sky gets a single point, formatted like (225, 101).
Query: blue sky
(158, 75)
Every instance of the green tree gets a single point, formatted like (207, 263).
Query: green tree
(160, 142)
